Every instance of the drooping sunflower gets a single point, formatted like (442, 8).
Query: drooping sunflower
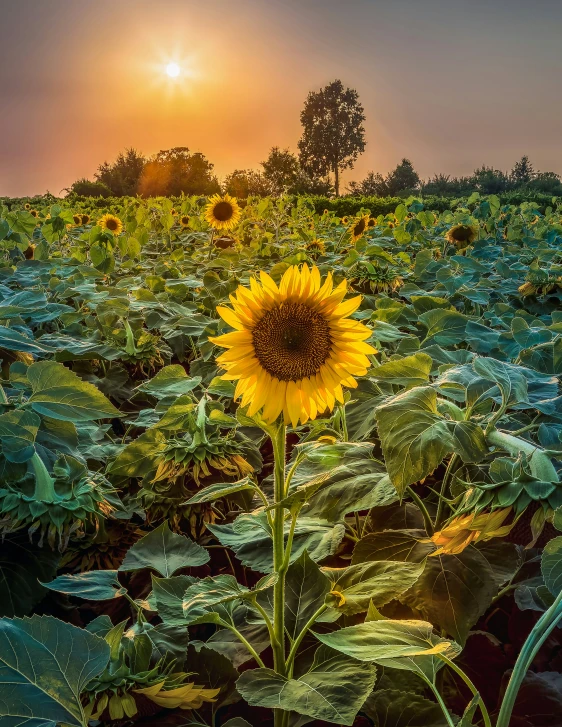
(222, 212)
(461, 235)
(293, 347)
(111, 223)
(184, 220)
(85, 219)
(316, 246)
(471, 528)
(359, 227)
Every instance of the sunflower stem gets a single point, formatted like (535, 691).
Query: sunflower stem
(279, 564)
(211, 240)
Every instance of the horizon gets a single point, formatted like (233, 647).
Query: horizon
(78, 89)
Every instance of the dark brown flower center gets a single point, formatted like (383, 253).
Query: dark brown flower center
(292, 341)
(359, 227)
(462, 233)
(111, 224)
(223, 211)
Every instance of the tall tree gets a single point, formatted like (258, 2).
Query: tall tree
(522, 172)
(283, 172)
(402, 178)
(333, 132)
(122, 177)
(177, 170)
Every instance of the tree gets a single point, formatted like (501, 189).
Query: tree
(247, 183)
(374, 185)
(177, 170)
(122, 177)
(333, 131)
(284, 174)
(522, 172)
(404, 177)
(547, 183)
(489, 180)
(87, 188)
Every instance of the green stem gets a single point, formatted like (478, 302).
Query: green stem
(297, 642)
(266, 618)
(446, 479)
(278, 442)
(245, 641)
(44, 483)
(440, 701)
(540, 463)
(290, 536)
(466, 679)
(540, 632)
(420, 503)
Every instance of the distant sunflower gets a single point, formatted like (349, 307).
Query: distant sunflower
(184, 220)
(294, 346)
(462, 235)
(173, 211)
(372, 222)
(326, 212)
(27, 206)
(85, 219)
(77, 219)
(344, 220)
(33, 212)
(111, 223)
(222, 213)
(359, 228)
(316, 246)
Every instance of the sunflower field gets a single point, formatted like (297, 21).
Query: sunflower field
(262, 464)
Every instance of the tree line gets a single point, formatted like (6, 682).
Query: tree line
(333, 137)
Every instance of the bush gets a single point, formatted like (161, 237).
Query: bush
(86, 188)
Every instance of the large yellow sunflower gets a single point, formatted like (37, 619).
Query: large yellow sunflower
(111, 223)
(462, 235)
(294, 346)
(222, 213)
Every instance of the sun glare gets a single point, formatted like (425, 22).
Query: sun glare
(173, 70)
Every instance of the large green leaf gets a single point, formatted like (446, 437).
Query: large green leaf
(59, 393)
(18, 430)
(94, 585)
(44, 666)
(333, 690)
(408, 371)
(204, 595)
(165, 552)
(395, 708)
(306, 587)
(138, 458)
(170, 381)
(11, 340)
(355, 587)
(414, 436)
(167, 598)
(409, 645)
(551, 565)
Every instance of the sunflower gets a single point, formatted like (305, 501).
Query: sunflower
(27, 206)
(344, 220)
(326, 212)
(359, 228)
(461, 235)
(316, 246)
(111, 223)
(222, 213)
(372, 222)
(33, 212)
(293, 346)
(77, 219)
(471, 528)
(85, 219)
(184, 220)
(173, 211)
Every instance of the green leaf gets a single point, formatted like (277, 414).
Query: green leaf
(409, 645)
(551, 565)
(203, 595)
(395, 708)
(18, 430)
(355, 587)
(170, 381)
(306, 587)
(444, 327)
(511, 383)
(11, 340)
(414, 436)
(408, 371)
(221, 489)
(59, 393)
(94, 585)
(333, 690)
(139, 457)
(45, 665)
(165, 552)
(168, 598)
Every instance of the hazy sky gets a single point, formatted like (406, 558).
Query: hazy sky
(451, 84)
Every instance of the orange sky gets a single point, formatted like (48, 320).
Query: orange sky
(450, 84)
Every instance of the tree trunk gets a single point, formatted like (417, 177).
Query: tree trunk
(337, 180)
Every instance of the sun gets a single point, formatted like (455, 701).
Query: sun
(173, 70)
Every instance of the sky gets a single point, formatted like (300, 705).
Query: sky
(450, 84)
